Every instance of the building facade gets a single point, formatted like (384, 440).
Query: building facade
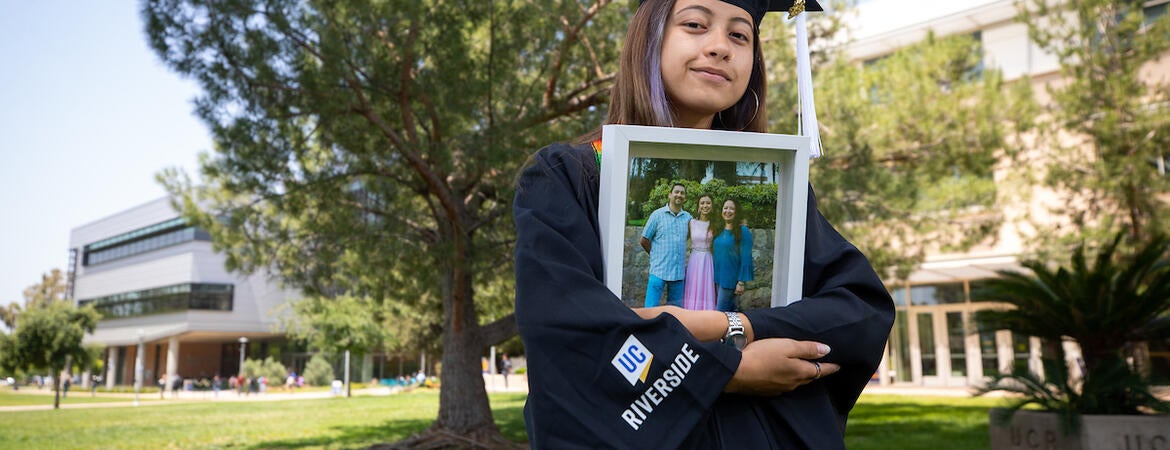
(934, 341)
(164, 292)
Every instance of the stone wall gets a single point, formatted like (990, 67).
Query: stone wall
(758, 293)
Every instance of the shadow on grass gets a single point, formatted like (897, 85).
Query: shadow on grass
(909, 426)
(509, 420)
(358, 436)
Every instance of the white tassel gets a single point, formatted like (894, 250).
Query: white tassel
(808, 108)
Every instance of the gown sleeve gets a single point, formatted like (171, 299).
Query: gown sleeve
(599, 376)
(845, 306)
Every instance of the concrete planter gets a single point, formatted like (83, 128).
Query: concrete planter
(1041, 430)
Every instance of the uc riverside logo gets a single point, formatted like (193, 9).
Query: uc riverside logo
(633, 360)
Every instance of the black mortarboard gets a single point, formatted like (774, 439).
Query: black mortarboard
(757, 8)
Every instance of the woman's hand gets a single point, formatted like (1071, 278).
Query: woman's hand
(739, 288)
(778, 365)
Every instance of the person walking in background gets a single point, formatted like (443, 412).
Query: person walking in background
(505, 368)
(665, 239)
(699, 291)
(732, 250)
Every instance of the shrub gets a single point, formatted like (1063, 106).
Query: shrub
(318, 372)
(757, 201)
(274, 371)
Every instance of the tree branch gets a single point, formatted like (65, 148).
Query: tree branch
(500, 330)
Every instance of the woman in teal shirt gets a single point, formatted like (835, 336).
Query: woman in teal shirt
(732, 251)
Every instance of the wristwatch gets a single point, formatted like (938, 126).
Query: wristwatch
(734, 337)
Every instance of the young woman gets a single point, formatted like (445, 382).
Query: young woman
(604, 376)
(699, 291)
(732, 249)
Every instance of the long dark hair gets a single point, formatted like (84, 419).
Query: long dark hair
(735, 227)
(638, 96)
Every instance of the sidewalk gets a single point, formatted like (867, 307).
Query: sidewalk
(181, 397)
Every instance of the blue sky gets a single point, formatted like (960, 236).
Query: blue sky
(88, 116)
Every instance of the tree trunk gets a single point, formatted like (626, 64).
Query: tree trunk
(463, 403)
(56, 387)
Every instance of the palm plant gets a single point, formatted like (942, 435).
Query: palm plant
(1102, 305)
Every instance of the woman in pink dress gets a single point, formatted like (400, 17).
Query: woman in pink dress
(699, 289)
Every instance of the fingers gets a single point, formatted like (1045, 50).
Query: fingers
(818, 370)
(809, 350)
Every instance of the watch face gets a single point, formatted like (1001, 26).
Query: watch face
(738, 341)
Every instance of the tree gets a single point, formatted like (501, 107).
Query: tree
(1103, 304)
(1107, 121)
(369, 149)
(338, 325)
(52, 288)
(911, 142)
(46, 338)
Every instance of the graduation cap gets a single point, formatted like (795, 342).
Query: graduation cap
(757, 8)
(808, 111)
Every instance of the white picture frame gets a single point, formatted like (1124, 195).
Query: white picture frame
(621, 144)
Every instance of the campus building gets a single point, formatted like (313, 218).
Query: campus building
(162, 290)
(933, 342)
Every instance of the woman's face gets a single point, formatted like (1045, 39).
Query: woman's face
(704, 205)
(728, 211)
(707, 54)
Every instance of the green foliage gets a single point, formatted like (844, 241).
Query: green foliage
(269, 368)
(756, 201)
(274, 371)
(253, 368)
(318, 372)
(1106, 125)
(52, 288)
(337, 324)
(1102, 304)
(48, 336)
(369, 149)
(899, 185)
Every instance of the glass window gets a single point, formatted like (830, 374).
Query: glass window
(1160, 358)
(900, 347)
(941, 294)
(956, 334)
(213, 297)
(926, 344)
(1154, 12)
(1020, 352)
(899, 295)
(989, 352)
(976, 287)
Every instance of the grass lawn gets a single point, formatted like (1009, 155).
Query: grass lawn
(315, 423)
(23, 397)
(878, 422)
(926, 423)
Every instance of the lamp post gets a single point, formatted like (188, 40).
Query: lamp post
(138, 367)
(243, 348)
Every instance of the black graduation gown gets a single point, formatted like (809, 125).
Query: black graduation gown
(578, 336)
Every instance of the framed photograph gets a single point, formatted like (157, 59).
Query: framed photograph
(740, 196)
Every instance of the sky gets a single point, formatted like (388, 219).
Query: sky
(88, 116)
